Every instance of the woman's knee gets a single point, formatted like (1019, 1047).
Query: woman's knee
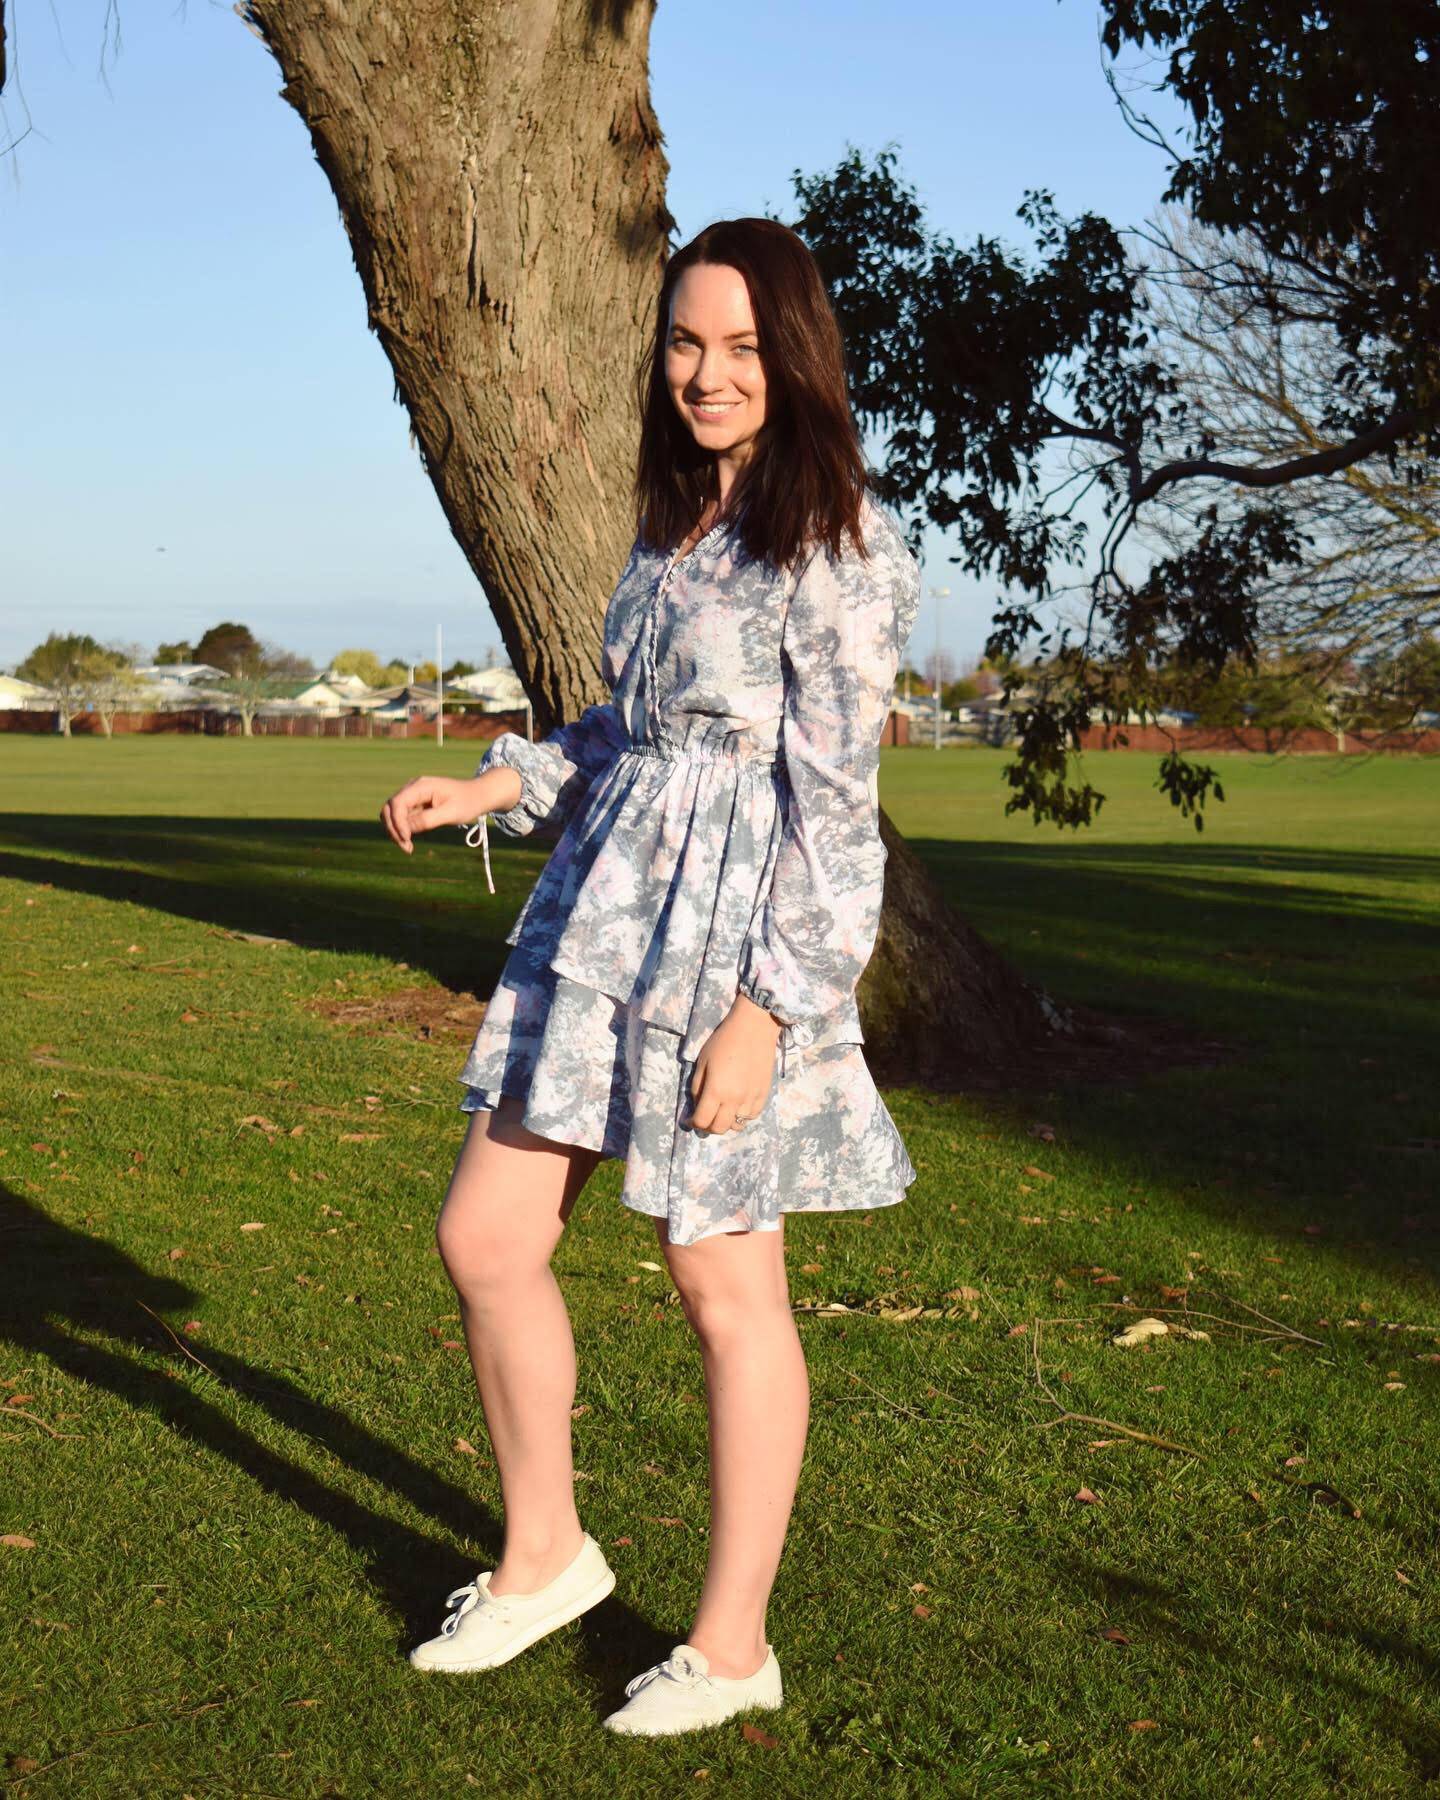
(481, 1262)
(728, 1304)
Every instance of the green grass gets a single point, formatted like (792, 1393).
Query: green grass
(229, 1560)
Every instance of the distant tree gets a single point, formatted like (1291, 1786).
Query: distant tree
(395, 674)
(107, 683)
(253, 670)
(939, 665)
(62, 664)
(364, 663)
(459, 670)
(288, 665)
(1393, 690)
(228, 646)
(175, 653)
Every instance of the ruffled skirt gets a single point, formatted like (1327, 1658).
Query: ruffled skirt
(623, 962)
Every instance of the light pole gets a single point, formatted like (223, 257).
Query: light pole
(439, 686)
(937, 594)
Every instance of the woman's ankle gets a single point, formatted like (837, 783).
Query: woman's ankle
(729, 1657)
(533, 1562)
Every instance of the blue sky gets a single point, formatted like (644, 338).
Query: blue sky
(188, 359)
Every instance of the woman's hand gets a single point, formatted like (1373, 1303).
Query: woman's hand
(735, 1068)
(430, 801)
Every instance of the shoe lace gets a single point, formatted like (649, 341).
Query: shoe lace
(676, 1667)
(466, 1599)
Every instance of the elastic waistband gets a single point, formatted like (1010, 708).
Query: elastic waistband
(758, 760)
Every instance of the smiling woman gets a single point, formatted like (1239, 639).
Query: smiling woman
(681, 986)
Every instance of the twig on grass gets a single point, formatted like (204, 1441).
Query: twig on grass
(192, 1712)
(19, 1412)
(1283, 1329)
(179, 1342)
(1067, 1417)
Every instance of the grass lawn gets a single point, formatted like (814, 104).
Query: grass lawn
(221, 1561)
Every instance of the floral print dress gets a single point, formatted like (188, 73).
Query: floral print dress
(720, 834)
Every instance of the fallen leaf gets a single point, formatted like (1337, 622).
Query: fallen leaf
(189, 1018)
(1143, 1725)
(1087, 1497)
(360, 1137)
(1046, 1133)
(1114, 1635)
(1294, 1462)
(663, 1520)
(918, 1587)
(577, 1411)
(12, 1540)
(1039, 1174)
(451, 1344)
(465, 1447)
(1393, 1387)
(1403, 1578)
(253, 1225)
(810, 1268)
(920, 1610)
(655, 1267)
(622, 1540)
(190, 1327)
(754, 1735)
(176, 1254)
(1017, 1331)
(1139, 1333)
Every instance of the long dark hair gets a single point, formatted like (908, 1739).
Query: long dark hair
(806, 478)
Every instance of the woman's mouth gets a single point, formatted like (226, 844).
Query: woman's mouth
(713, 412)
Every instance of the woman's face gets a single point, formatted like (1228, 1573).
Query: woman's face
(712, 361)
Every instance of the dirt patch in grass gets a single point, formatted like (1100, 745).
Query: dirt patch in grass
(435, 1014)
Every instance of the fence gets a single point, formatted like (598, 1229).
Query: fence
(1294, 741)
(206, 722)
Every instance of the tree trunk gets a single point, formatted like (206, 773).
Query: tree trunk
(500, 174)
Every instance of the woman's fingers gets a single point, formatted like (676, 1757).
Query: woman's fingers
(423, 804)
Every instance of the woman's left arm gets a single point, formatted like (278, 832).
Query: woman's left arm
(845, 632)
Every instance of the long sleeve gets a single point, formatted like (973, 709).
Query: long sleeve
(556, 771)
(845, 632)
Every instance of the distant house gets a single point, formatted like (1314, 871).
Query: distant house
(497, 690)
(169, 687)
(412, 701)
(351, 686)
(24, 696)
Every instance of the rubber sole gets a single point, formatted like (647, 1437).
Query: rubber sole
(532, 1633)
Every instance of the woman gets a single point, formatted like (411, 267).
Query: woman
(681, 987)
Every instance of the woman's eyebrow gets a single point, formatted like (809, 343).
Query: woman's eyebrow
(685, 331)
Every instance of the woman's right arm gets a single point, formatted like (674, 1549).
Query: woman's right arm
(555, 772)
(434, 800)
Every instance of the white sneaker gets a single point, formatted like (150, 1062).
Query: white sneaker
(487, 1629)
(680, 1694)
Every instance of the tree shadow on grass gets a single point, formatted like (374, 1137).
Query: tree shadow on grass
(66, 1287)
(1308, 973)
(321, 884)
(1157, 1613)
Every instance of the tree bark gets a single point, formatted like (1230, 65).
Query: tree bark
(500, 172)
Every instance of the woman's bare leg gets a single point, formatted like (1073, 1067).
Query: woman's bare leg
(735, 1294)
(505, 1211)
